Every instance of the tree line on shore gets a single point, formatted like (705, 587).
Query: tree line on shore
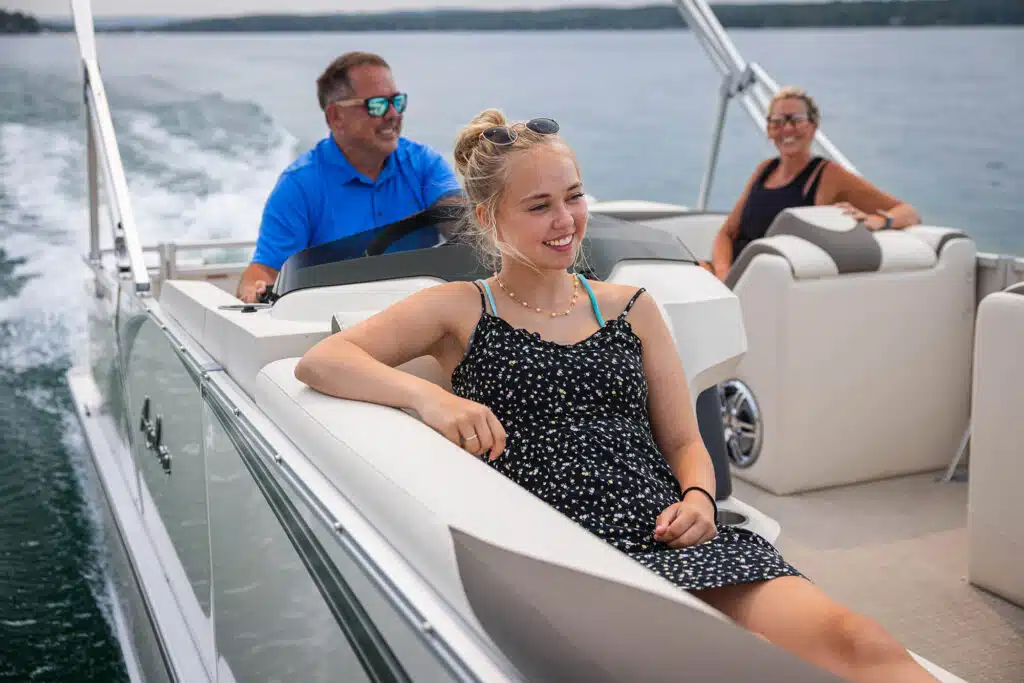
(769, 15)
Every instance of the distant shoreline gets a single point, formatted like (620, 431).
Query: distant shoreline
(863, 14)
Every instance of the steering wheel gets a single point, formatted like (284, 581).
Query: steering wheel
(429, 218)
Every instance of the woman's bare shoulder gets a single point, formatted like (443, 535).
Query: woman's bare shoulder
(612, 297)
(450, 292)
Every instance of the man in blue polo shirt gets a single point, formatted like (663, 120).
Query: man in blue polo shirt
(360, 178)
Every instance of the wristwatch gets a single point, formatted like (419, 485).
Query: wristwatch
(888, 220)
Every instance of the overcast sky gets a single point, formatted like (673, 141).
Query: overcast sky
(195, 8)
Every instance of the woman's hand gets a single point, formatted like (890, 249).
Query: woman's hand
(467, 424)
(688, 522)
(871, 221)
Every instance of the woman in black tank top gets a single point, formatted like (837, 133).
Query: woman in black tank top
(796, 178)
(765, 203)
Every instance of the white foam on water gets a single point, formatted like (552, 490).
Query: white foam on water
(38, 226)
(240, 178)
(182, 190)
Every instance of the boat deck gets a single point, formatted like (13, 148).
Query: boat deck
(896, 550)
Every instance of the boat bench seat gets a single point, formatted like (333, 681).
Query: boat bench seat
(859, 349)
(996, 484)
(556, 597)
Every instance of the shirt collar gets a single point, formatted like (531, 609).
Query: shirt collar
(333, 155)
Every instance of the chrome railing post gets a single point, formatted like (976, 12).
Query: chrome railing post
(92, 170)
(103, 149)
(730, 86)
(716, 143)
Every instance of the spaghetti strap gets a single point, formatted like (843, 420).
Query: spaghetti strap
(593, 299)
(816, 173)
(769, 167)
(484, 287)
(632, 301)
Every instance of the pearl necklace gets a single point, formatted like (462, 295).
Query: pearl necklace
(572, 303)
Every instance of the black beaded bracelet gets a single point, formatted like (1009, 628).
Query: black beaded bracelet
(710, 497)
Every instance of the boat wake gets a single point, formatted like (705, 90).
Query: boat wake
(198, 168)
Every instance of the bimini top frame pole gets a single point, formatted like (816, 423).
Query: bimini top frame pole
(741, 79)
(103, 152)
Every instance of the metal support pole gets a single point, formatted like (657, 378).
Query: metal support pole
(957, 457)
(725, 94)
(94, 189)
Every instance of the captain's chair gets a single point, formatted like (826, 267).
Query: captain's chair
(995, 507)
(859, 351)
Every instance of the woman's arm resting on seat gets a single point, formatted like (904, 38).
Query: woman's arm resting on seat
(721, 251)
(675, 430)
(359, 364)
(867, 201)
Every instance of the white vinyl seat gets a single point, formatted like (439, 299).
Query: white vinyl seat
(556, 598)
(995, 503)
(859, 351)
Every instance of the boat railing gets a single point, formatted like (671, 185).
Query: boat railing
(745, 81)
(104, 161)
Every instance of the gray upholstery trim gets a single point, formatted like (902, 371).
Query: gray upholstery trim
(956, 235)
(746, 256)
(1015, 289)
(335, 325)
(854, 251)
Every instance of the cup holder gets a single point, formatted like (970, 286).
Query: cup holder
(730, 518)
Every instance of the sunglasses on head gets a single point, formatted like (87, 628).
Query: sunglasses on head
(378, 106)
(782, 119)
(506, 135)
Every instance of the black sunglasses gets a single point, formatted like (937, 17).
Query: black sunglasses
(378, 106)
(506, 135)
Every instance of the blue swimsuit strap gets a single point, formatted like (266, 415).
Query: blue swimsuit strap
(490, 297)
(593, 299)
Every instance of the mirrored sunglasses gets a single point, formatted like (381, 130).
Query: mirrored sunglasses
(378, 106)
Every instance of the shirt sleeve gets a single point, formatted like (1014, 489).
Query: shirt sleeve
(439, 179)
(285, 227)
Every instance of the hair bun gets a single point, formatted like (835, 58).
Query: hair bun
(469, 137)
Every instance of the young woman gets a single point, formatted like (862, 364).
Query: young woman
(796, 178)
(589, 413)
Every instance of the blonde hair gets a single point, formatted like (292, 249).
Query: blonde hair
(484, 167)
(792, 92)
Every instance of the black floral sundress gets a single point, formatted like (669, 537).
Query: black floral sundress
(579, 438)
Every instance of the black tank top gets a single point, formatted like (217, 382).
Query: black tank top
(764, 204)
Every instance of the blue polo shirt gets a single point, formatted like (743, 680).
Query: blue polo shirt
(321, 197)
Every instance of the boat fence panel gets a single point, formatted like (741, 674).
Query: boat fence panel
(408, 645)
(165, 426)
(996, 272)
(283, 608)
(144, 646)
(1018, 270)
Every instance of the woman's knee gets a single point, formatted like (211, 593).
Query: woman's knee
(861, 641)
